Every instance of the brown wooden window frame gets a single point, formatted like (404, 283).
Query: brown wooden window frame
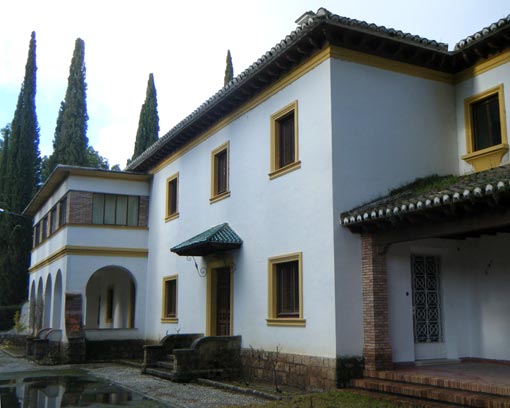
(172, 198)
(220, 173)
(169, 299)
(280, 269)
(284, 141)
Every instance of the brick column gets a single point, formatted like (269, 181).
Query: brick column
(377, 349)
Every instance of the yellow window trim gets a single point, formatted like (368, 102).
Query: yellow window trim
(214, 196)
(272, 319)
(276, 171)
(172, 216)
(164, 318)
(490, 157)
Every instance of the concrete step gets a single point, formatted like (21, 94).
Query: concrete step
(433, 393)
(436, 362)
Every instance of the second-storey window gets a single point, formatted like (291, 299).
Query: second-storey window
(284, 141)
(172, 198)
(220, 172)
(62, 218)
(485, 122)
(111, 209)
(53, 220)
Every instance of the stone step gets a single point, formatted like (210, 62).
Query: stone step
(170, 357)
(433, 393)
(441, 381)
(168, 365)
(165, 374)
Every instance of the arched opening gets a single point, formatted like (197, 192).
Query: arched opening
(39, 306)
(31, 313)
(47, 303)
(57, 302)
(110, 299)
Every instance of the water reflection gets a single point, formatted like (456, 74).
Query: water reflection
(66, 391)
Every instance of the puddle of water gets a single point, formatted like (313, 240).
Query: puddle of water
(65, 389)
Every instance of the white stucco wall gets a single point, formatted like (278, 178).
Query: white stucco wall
(474, 286)
(289, 214)
(471, 87)
(388, 129)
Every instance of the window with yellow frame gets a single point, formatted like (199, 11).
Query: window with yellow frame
(485, 123)
(284, 141)
(172, 197)
(220, 168)
(169, 307)
(285, 290)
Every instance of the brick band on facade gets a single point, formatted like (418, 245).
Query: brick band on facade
(377, 349)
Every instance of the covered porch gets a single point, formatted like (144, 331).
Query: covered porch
(435, 272)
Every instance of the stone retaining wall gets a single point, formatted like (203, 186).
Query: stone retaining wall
(306, 372)
(107, 350)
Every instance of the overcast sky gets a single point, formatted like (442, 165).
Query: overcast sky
(184, 44)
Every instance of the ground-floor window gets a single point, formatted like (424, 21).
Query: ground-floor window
(285, 283)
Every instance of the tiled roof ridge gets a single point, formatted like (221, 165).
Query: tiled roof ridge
(322, 15)
(385, 31)
(470, 186)
(484, 32)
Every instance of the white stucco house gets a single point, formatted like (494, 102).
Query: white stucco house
(271, 212)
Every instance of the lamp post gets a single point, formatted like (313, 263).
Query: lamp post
(3, 211)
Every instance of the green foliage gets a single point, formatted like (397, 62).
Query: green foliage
(94, 159)
(21, 167)
(70, 142)
(426, 184)
(18, 324)
(229, 70)
(148, 123)
(7, 314)
(4, 153)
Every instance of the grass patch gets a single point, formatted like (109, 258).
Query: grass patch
(426, 184)
(331, 399)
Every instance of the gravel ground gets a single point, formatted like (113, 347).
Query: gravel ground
(167, 392)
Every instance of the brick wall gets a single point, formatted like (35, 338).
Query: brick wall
(377, 350)
(80, 207)
(306, 372)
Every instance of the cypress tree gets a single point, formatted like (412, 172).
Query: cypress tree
(22, 167)
(70, 142)
(229, 70)
(148, 123)
(4, 153)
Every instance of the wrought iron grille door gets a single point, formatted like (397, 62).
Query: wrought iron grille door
(426, 299)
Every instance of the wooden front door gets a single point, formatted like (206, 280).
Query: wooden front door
(219, 314)
(223, 302)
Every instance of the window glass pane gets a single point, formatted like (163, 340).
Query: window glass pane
(53, 216)
(486, 126)
(38, 233)
(132, 218)
(97, 208)
(286, 148)
(121, 212)
(44, 228)
(221, 172)
(170, 298)
(287, 286)
(63, 212)
(172, 196)
(109, 209)
(109, 304)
